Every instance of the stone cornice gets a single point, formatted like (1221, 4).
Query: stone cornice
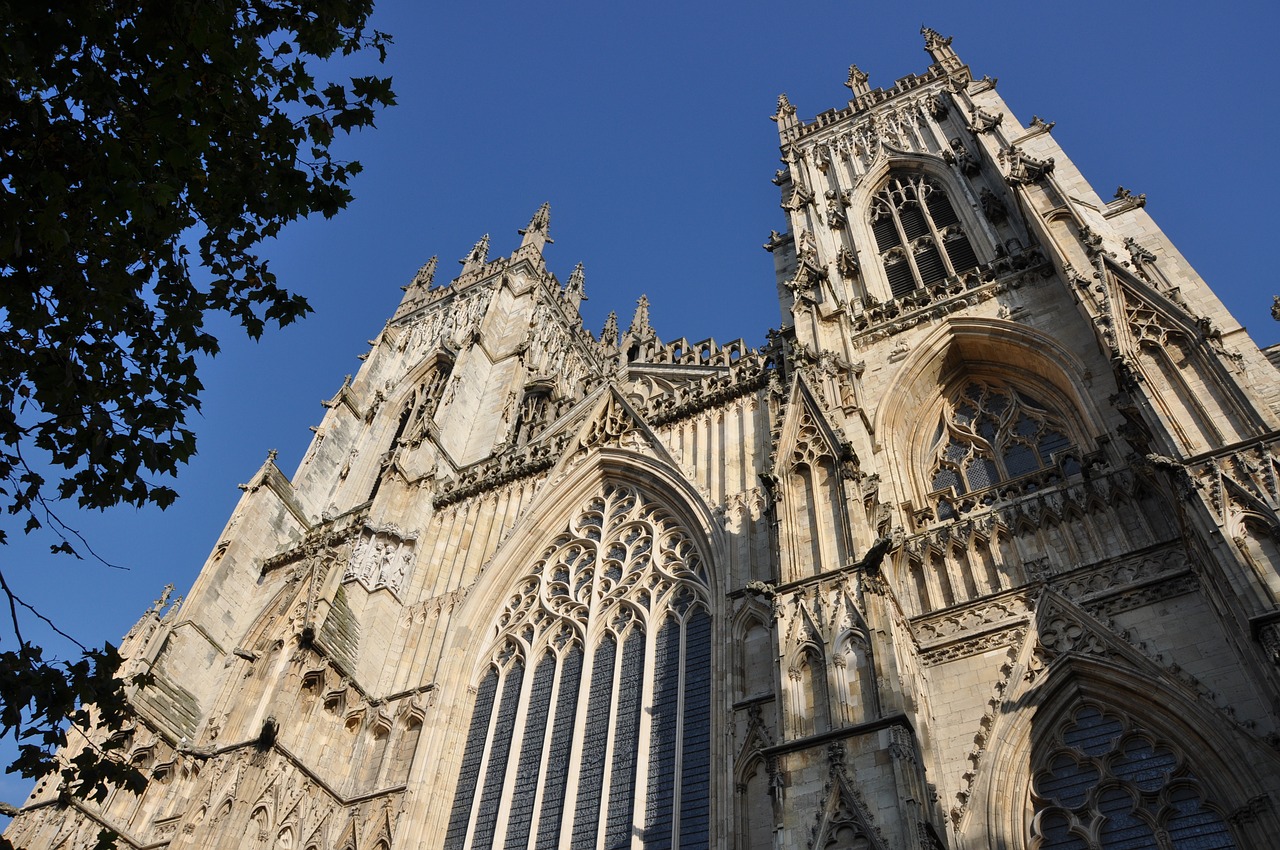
(892, 317)
(875, 97)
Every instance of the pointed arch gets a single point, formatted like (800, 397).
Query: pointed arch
(960, 236)
(1222, 763)
(605, 588)
(755, 661)
(1038, 383)
(754, 804)
(815, 524)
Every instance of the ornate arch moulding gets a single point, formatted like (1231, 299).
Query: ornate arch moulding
(1220, 752)
(553, 507)
(991, 345)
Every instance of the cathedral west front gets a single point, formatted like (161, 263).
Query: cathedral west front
(979, 550)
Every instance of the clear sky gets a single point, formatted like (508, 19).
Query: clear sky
(646, 126)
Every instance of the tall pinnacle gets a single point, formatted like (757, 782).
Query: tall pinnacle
(535, 233)
(785, 116)
(609, 336)
(478, 256)
(938, 46)
(575, 290)
(858, 82)
(640, 322)
(426, 274)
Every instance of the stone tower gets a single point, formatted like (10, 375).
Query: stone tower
(978, 551)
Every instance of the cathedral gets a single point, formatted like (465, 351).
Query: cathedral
(979, 551)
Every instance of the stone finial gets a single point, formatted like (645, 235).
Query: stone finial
(425, 275)
(609, 336)
(936, 44)
(939, 47)
(640, 327)
(535, 233)
(575, 290)
(786, 114)
(478, 256)
(159, 604)
(1275, 307)
(858, 82)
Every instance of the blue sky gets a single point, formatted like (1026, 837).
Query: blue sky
(646, 127)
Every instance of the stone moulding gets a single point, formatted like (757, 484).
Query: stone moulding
(1104, 589)
(870, 99)
(748, 374)
(888, 318)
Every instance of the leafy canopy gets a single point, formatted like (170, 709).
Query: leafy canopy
(147, 147)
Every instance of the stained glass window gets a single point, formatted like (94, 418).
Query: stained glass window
(1108, 784)
(990, 433)
(624, 580)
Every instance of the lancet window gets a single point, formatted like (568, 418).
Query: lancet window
(989, 433)
(1105, 783)
(535, 413)
(593, 715)
(918, 235)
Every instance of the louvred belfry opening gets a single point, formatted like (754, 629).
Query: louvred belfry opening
(918, 235)
(592, 716)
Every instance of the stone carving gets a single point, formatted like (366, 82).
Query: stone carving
(959, 156)
(1024, 168)
(380, 558)
(939, 107)
(982, 121)
(845, 820)
(934, 301)
(800, 198)
(615, 425)
(900, 128)
(972, 646)
(846, 263)
(1039, 125)
(836, 203)
(992, 207)
(450, 326)
(1128, 200)
(1000, 611)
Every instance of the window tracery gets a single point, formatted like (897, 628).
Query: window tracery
(605, 643)
(918, 235)
(989, 433)
(1105, 783)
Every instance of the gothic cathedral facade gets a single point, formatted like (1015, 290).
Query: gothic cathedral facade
(978, 551)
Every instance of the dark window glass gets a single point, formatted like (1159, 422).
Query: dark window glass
(595, 743)
(914, 208)
(558, 755)
(471, 756)
(504, 727)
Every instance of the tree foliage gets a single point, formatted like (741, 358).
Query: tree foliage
(147, 149)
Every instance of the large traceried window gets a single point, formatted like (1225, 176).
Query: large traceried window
(918, 235)
(989, 433)
(1105, 783)
(592, 722)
